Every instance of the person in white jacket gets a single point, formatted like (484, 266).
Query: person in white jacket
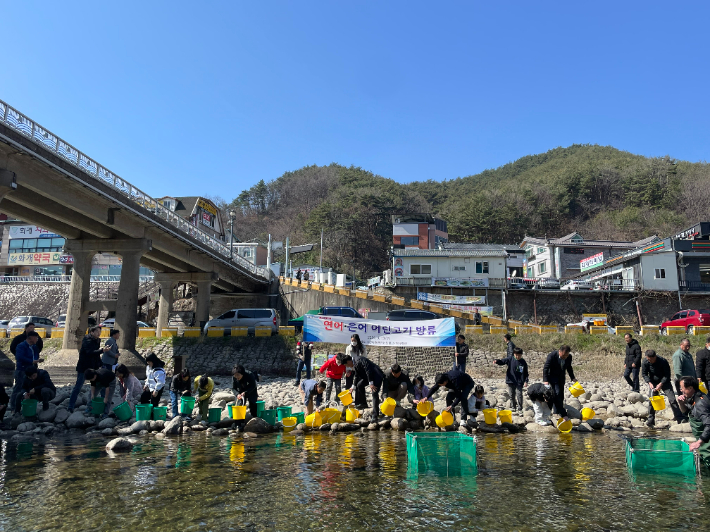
(129, 386)
(356, 349)
(154, 380)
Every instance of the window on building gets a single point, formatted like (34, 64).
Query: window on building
(531, 271)
(540, 250)
(409, 240)
(35, 245)
(420, 269)
(660, 273)
(459, 268)
(542, 267)
(705, 273)
(482, 267)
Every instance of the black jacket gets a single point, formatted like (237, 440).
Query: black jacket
(536, 391)
(462, 351)
(633, 354)
(179, 385)
(391, 383)
(459, 382)
(304, 351)
(702, 365)
(365, 369)
(700, 410)
(247, 385)
(17, 340)
(89, 354)
(552, 371)
(104, 378)
(509, 349)
(517, 372)
(42, 381)
(657, 373)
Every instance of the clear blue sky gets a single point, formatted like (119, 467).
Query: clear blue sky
(207, 98)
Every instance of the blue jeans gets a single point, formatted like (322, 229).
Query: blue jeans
(17, 389)
(303, 364)
(174, 400)
(77, 389)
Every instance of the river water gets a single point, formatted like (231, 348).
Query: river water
(338, 482)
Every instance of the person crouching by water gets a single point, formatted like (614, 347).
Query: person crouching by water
(100, 379)
(553, 373)
(244, 385)
(697, 404)
(334, 371)
(366, 374)
(129, 387)
(460, 386)
(657, 373)
(311, 393)
(154, 380)
(396, 384)
(421, 390)
(478, 399)
(543, 399)
(180, 386)
(203, 390)
(37, 386)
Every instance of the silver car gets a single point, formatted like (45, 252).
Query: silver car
(246, 317)
(19, 322)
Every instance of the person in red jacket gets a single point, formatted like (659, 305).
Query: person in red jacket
(334, 372)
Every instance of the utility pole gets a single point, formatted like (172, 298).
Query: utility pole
(288, 273)
(321, 249)
(232, 216)
(268, 257)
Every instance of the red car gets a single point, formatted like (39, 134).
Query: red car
(688, 319)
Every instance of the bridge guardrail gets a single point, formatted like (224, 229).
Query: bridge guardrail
(66, 279)
(46, 139)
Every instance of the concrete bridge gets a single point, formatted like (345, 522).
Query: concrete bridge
(46, 181)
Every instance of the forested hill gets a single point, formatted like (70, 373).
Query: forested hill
(599, 191)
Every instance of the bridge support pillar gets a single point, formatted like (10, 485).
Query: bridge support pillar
(165, 305)
(203, 280)
(77, 319)
(202, 313)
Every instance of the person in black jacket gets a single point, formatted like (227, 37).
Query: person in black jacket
(38, 386)
(396, 384)
(101, 379)
(304, 351)
(553, 373)
(17, 340)
(509, 345)
(179, 386)
(702, 364)
(460, 386)
(657, 373)
(698, 406)
(89, 358)
(461, 353)
(542, 397)
(366, 374)
(632, 362)
(244, 384)
(516, 377)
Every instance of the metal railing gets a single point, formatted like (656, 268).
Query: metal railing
(66, 279)
(696, 286)
(47, 140)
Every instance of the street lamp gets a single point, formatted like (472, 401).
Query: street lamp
(232, 216)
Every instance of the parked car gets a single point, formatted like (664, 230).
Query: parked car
(4, 323)
(110, 323)
(346, 312)
(688, 319)
(415, 315)
(247, 317)
(546, 284)
(61, 322)
(577, 284)
(19, 322)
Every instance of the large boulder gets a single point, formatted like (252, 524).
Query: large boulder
(62, 415)
(534, 427)
(47, 416)
(634, 397)
(107, 423)
(258, 426)
(584, 427)
(140, 425)
(60, 397)
(119, 444)
(596, 424)
(572, 412)
(628, 410)
(399, 424)
(27, 426)
(681, 427)
(78, 420)
(399, 412)
(227, 397)
(574, 403)
(173, 427)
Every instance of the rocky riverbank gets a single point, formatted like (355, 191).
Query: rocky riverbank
(616, 409)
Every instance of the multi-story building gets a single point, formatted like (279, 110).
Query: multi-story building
(559, 258)
(418, 231)
(201, 212)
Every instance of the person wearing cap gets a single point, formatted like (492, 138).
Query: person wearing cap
(697, 405)
(396, 384)
(304, 350)
(656, 371)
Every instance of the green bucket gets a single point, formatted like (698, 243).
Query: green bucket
(97, 406)
(123, 411)
(187, 403)
(160, 412)
(215, 415)
(300, 417)
(269, 416)
(29, 407)
(260, 407)
(283, 411)
(143, 412)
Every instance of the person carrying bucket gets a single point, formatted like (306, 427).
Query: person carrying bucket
(129, 387)
(89, 358)
(334, 370)
(396, 384)
(553, 374)
(244, 385)
(697, 404)
(542, 398)
(304, 352)
(460, 386)
(366, 375)
(657, 373)
(312, 392)
(421, 390)
(516, 377)
(100, 380)
(154, 380)
(37, 386)
(203, 391)
(24, 358)
(179, 386)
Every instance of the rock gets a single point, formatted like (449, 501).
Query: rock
(62, 415)
(143, 433)
(139, 426)
(463, 429)
(60, 397)
(642, 410)
(108, 432)
(584, 427)
(598, 404)
(596, 424)
(595, 397)
(258, 426)
(107, 423)
(612, 411)
(46, 416)
(681, 427)
(158, 424)
(574, 403)
(125, 431)
(510, 427)
(119, 444)
(77, 420)
(534, 427)
(220, 432)
(485, 427)
(227, 397)
(372, 426)
(627, 410)
(173, 427)
(411, 414)
(634, 397)
(325, 427)
(399, 424)
(384, 423)
(159, 436)
(573, 413)
(27, 426)
(493, 401)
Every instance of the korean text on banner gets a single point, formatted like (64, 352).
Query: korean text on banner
(464, 283)
(451, 300)
(425, 333)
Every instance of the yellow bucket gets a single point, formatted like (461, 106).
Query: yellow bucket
(351, 414)
(576, 389)
(289, 423)
(424, 408)
(658, 402)
(587, 413)
(490, 415)
(345, 397)
(703, 388)
(387, 407)
(330, 415)
(506, 416)
(314, 420)
(239, 412)
(444, 419)
(564, 426)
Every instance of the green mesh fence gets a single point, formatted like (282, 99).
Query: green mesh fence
(660, 457)
(443, 453)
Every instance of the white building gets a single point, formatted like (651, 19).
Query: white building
(470, 267)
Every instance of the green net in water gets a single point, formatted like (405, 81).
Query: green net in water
(443, 453)
(660, 456)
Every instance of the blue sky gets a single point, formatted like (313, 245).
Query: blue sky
(208, 98)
